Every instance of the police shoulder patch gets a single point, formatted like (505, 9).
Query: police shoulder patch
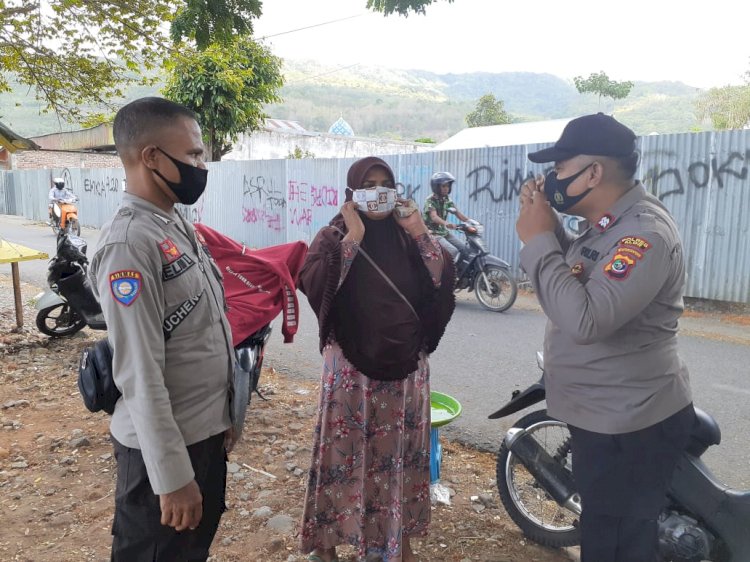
(126, 285)
(635, 242)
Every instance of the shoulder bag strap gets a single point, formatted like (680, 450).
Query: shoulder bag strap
(382, 273)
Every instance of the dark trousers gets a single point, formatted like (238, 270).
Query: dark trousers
(138, 535)
(623, 481)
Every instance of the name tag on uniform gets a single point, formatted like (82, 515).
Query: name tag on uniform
(178, 316)
(177, 267)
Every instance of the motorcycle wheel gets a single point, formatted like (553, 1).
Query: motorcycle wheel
(502, 292)
(73, 227)
(535, 512)
(59, 320)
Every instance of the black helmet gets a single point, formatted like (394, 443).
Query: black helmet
(439, 179)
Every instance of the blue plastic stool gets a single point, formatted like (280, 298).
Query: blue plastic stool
(436, 455)
(443, 410)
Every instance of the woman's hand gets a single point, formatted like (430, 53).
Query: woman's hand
(354, 225)
(413, 223)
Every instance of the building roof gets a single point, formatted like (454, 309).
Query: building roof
(506, 135)
(341, 127)
(93, 139)
(13, 141)
(282, 125)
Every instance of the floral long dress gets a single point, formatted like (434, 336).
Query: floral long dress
(369, 483)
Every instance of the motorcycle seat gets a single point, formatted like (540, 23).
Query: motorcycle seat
(706, 432)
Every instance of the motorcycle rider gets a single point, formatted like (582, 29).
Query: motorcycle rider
(613, 297)
(436, 209)
(57, 194)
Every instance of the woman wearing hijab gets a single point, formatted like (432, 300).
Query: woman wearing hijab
(382, 290)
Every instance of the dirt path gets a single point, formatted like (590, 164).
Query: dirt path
(57, 469)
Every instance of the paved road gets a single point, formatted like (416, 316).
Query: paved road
(485, 356)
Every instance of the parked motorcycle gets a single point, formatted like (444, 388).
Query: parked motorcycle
(249, 356)
(65, 215)
(69, 304)
(479, 271)
(704, 520)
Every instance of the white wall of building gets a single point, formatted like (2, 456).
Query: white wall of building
(269, 145)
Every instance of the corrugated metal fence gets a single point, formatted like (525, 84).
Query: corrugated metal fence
(702, 178)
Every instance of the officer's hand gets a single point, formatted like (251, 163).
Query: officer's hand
(450, 226)
(532, 185)
(354, 224)
(230, 439)
(183, 508)
(536, 217)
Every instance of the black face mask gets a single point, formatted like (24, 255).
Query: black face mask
(557, 190)
(192, 182)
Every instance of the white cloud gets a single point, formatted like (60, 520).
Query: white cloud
(639, 40)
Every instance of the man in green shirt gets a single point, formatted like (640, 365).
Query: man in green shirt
(436, 210)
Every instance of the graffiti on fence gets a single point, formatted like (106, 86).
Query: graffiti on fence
(262, 202)
(698, 174)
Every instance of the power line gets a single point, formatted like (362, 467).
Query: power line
(311, 26)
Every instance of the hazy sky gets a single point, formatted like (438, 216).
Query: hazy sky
(702, 44)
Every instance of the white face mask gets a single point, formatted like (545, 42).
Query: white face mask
(376, 199)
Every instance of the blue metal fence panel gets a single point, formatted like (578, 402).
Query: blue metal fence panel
(702, 178)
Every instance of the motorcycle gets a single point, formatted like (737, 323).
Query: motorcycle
(704, 520)
(65, 215)
(479, 271)
(248, 364)
(69, 304)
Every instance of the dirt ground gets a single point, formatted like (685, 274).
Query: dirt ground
(57, 470)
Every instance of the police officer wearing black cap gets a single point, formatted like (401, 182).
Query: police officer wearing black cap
(613, 297)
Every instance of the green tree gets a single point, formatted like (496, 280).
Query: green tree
(402, 7)
(489, 111)
(214, 21)
(74, 52)
(726, 108)
(227, 86)
(600, 84)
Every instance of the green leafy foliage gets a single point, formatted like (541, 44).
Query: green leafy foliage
(214, 21)
(227, 85)
(726, 108)
(600, 84)
(402, 7)
(489, 111)
(78, 52)
(299, 154)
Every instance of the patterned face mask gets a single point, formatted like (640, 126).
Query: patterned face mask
(376, 199)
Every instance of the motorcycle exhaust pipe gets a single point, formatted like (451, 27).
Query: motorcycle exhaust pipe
(554, 478)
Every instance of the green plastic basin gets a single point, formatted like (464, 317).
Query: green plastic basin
(444, 408)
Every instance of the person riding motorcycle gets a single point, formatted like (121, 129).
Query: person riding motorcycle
(436, 209)
(57, 194)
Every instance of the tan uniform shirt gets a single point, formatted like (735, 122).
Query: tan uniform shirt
(163, 301)
(613, 297)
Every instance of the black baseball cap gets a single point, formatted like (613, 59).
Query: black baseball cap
(598, 135)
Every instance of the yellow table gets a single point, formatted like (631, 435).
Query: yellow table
(13, 253)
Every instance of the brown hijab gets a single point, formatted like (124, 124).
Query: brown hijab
(377, 331)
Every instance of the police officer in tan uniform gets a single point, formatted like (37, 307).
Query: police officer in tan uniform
(613, 297)
(163, 301)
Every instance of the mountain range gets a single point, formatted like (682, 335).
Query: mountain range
(415, 104)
